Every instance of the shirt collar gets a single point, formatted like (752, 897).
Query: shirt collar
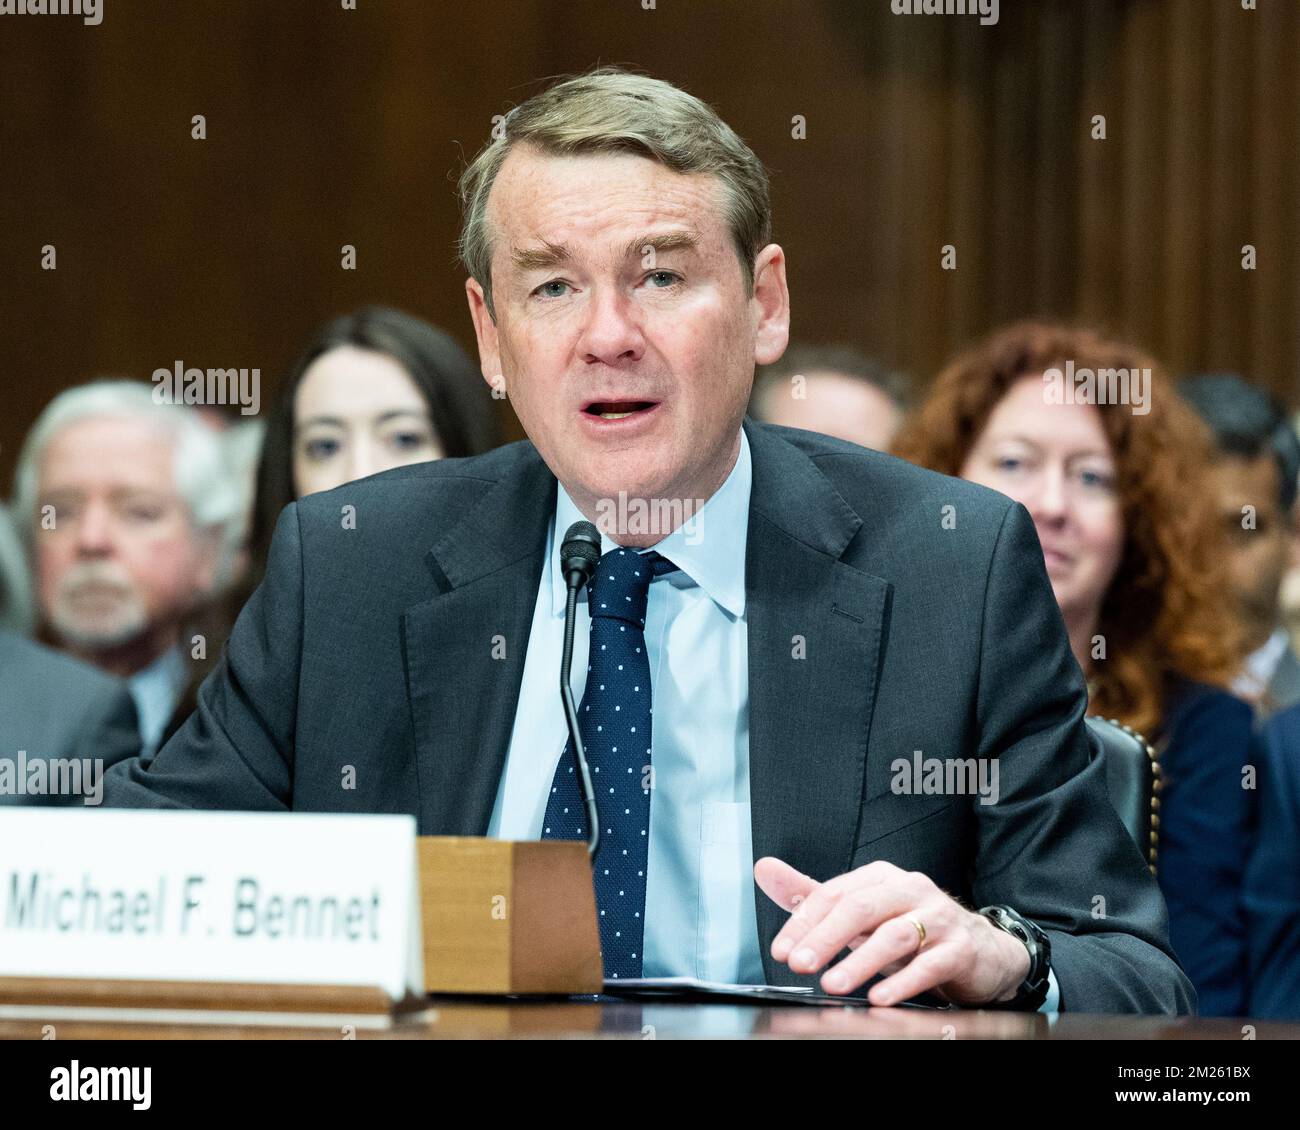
(708, 549)
(164, 674)
(1262, 664)
(156, 689)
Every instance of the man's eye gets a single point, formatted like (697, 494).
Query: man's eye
(69, 510)
(1009, 463)
(669, 275)
(545, 293)
(143, 512)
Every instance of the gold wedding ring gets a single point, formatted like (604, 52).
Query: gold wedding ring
(920, 933)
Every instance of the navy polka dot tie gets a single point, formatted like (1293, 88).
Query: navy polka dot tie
(614, 719)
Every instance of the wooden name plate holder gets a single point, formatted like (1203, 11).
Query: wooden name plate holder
(56, 1000)
(505, 916)
(287, 918)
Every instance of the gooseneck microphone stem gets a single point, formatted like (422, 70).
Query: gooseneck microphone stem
(574, 583)
(579, 557)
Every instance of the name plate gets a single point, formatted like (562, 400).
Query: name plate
(283, 898)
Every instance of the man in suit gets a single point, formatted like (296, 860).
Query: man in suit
(1255, 479)
(62, 723)
(1272, 886)
(128, 505)
(815, 623)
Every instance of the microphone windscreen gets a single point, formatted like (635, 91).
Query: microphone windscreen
(580, 549)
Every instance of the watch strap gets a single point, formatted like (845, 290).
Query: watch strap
(1033, 990)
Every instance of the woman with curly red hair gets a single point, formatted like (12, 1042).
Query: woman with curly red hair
(1129, 539)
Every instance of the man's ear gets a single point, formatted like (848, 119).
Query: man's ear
(485, 329)
(772, 305)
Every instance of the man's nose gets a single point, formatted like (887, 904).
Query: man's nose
(95, 530)
(611, 333)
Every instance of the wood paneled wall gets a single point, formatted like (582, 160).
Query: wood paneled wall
(328, 126)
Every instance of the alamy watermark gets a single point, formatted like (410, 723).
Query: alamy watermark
(945, 776)
(90, 11)
(76, 1083)
(1098, 386)
(987, 10)
(653, 517)
(53, 777)
(179, 385)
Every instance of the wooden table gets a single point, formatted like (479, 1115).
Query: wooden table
(462, 1018)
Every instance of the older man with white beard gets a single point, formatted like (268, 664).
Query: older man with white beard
(126, 504)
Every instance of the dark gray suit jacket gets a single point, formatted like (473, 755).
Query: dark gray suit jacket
(53, 706)
(373, 647)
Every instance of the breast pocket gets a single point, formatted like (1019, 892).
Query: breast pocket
(888, 815)
(932, 840)
(726, 909)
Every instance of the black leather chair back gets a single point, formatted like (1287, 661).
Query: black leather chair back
(1132, 779)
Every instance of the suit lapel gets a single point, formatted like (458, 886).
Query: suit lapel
(815, 629)
(464, 648)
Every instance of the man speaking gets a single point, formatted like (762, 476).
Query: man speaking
(813, 619)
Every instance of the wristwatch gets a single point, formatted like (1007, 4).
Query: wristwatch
(1033, 990)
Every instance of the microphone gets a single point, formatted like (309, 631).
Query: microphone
(579, 555)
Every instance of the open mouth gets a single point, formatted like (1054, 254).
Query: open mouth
(618, 409)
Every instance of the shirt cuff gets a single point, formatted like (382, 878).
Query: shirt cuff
(1053, 1001)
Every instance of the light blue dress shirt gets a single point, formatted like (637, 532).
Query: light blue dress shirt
(700, 918)
(156, 690)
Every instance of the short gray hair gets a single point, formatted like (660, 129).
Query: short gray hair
(846, 360)
(203, 476)
(611, 110)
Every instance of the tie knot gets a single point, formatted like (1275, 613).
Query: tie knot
(621, 584)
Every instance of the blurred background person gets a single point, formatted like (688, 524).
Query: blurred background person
(16, 612)
(241, 445)
(52, 707)
(127, 504)
(1254, 476)
(372, 390)
(1291, 583)
(835, 390)
(1272, 894)
(56, 708)
(1131, 544)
